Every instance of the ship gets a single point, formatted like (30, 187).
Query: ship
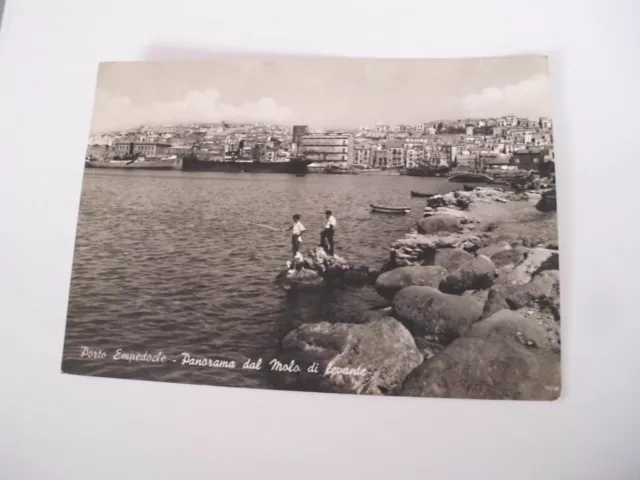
(296, 165)
(139, 163)
(236, 162)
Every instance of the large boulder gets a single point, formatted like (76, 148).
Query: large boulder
(547, 202)
(370, 358)
(358, 276)
(452, 258)
(509, 257)
(507, 324)
(465, 216)
(325, 263)
(390, 283)
(300, 279)
(497, 299)
(501, 358)
(542, 293)
(534, 261)
(418, 249)
(478, 274)
(439, 223)
(427, 312)
(480, 295)
(491, 250)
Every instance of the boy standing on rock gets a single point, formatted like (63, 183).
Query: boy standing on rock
(326, 236)
(297, 229)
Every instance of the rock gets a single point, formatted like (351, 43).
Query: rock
(360, 276)
(430, 313)
(534, 261)
(543, 291)
(491, 250)
(492, 367)
(300, 279)
(547, 201)
(478, 274)
(439, 223)
(390, 283)
(370, 315)
(322, 269)
(480, 295)
(451, 258)
(371, 358)
(497, 299)
(462, 199)
(427, 347)
(506, 324)
(508, 257)
(325, 263)
(546, 323)
(428, 211)
(418, 249)
(452, 212)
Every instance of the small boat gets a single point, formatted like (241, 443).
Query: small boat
(383, 209)
(422, 195)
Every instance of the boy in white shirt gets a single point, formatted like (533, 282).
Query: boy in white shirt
(326, 237)
(297, 229)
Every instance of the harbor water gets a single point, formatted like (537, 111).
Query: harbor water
(166, 261)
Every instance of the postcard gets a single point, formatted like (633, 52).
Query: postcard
(354, 226)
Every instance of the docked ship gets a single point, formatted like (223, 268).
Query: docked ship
(237, 162)
(296, 165)
(138, 163)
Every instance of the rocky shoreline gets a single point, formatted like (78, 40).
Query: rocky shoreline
(473, 307)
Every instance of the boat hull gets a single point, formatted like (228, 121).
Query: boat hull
(392, 210)
(296, 167)
(149, 165)
(422, 195)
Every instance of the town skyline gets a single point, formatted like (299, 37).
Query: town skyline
(327, 94)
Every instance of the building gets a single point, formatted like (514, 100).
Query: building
(378, 158)
(149, 150)
(469, 131)
(414, 157)
(545, 123)
(363, 155)
(530, 158)
(466, 161)
(395, 156)
(298, 132)
(449, 152)
(335, 147)
(496, 161)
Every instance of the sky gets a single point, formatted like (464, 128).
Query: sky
(321, 93)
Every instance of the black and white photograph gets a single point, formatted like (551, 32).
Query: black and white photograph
(356, 226)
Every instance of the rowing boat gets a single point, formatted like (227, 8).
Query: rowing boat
(422, 195)
(383, 209)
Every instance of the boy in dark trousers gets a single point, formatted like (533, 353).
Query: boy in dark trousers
(326, 237)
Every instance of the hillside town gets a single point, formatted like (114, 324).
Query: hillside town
(503, 143)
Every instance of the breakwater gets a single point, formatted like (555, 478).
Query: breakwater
(473, 309)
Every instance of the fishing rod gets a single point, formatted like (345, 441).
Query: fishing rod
(263, 226)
